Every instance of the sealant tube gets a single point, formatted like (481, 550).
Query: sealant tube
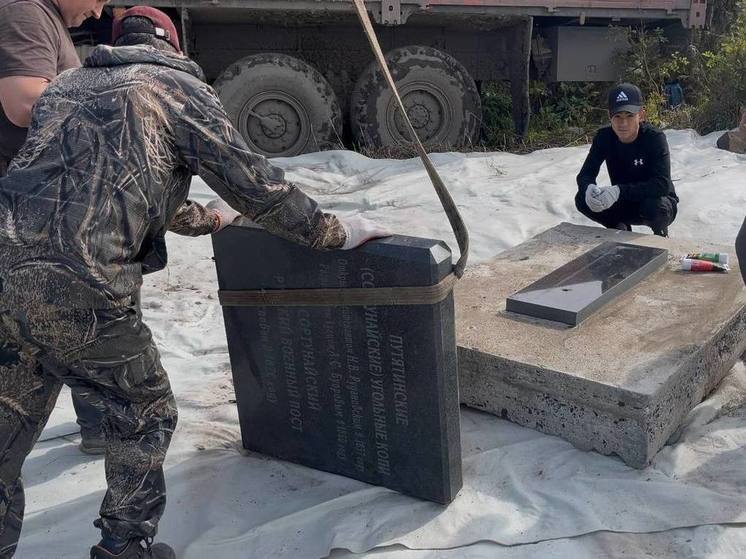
(717, 257)
(694, 265)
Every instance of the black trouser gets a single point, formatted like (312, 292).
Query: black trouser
(89, 418)
(656, 213)
(109, 357)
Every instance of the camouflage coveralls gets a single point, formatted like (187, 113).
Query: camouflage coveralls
(83, 214)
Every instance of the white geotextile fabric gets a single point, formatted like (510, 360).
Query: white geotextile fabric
(535, 493)
(711, 542)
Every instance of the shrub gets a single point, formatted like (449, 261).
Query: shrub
(648, 64)
(714, 80)
(724, 79)
(497, 114)
(562, 114)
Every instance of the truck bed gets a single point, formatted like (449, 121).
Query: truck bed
(690, 12)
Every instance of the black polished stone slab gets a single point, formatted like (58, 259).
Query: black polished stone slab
(366, 392)
(579, 288)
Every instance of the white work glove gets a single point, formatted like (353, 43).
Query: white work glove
(359, 230)
(606, 196)
(226, 214)
(590, 198)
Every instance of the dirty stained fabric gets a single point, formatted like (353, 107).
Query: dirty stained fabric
(83, 213)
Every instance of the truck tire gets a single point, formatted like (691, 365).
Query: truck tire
(281, 105)
(440, 96)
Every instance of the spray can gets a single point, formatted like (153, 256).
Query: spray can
(694, 265)
(717, 257)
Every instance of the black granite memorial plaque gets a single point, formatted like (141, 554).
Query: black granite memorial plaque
(579, 288)
(366, 392)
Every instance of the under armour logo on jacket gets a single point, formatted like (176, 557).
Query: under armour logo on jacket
(638, 162)
(621, 97)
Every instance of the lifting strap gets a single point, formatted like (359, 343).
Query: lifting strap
(454, 217)
(421, 295)
(340, 297)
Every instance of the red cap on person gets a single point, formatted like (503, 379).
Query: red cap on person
(163, 27)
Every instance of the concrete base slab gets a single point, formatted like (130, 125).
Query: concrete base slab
(620, 382)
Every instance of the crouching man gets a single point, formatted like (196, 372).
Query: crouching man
(110, 153)
(639, 166)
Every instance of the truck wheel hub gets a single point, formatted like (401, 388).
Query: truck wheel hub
(419, 115)
(274, 122)
(428, 109)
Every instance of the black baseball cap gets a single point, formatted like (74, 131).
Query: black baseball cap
(625, 98)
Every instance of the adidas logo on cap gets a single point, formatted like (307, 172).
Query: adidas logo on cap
(625, 97)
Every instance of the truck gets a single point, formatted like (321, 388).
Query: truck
(297, 76)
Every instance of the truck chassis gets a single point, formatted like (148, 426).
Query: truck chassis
(298, 75)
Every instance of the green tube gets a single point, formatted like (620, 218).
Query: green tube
(717, 257)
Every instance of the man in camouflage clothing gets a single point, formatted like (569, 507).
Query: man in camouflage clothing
(84, 209)
(37, 46)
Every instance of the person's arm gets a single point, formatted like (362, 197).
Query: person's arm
(18, 94)
(658, 160)
(215, 150)
(193, 219)
(28, 59)
(592, 165)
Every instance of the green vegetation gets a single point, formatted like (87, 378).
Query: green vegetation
(712, 72)
(649, 65)
(721, 77)
(562, 114)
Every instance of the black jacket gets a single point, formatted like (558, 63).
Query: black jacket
(641, 169)
(108, 161)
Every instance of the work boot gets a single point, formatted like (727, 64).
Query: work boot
(94, 445)
(136, 549)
